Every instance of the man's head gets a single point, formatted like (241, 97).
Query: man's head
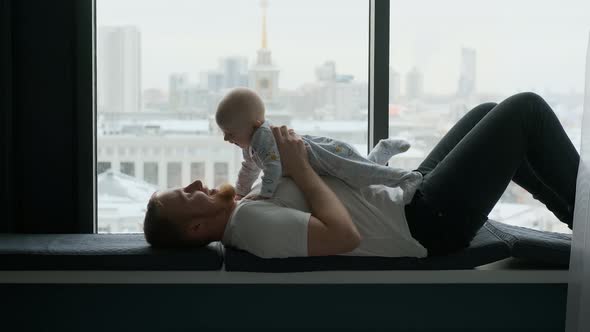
(238, 114)
(188, 217)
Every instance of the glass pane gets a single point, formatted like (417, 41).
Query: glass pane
(163, 65)
(447, 57)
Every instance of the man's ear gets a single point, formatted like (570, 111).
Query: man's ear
(257, 124)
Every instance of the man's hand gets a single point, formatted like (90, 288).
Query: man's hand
(330, 230)
(292, 150)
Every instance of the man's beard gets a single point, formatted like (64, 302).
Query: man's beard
(226, 192)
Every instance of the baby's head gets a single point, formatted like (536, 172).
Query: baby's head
(238, 114)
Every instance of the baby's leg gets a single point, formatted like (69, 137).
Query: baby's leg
(341, 160)
(387, 148)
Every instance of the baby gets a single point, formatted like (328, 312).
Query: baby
(240, 115)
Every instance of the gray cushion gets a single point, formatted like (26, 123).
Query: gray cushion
(485, 248)
(544, 248)
(100, 252)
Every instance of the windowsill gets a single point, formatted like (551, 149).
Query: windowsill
(501, 272)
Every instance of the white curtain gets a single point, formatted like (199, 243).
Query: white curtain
(578, 294)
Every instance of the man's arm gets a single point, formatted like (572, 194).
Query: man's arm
(330, 229)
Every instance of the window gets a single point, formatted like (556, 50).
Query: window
(150, 172)
(163, 65)
(221, 172)
(197, 171)
(446, 57)
(102, 166)
(174, 175)
(128, 167)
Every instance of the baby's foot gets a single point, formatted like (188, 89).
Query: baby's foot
(387, 148)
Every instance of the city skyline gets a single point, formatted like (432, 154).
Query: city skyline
(533, 54)
(119, 76)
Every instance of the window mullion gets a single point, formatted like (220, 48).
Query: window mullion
(378, 72)
(85, 132)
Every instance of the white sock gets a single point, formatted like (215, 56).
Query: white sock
(387, 148)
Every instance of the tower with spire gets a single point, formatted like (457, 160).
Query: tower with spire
(264, 76)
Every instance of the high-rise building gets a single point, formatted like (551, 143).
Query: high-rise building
(414, 84)
(178, 91)
(394, 86)
(264, 76)
(235, 71)
(154, 99)
(326, 72)
(118, 64)
(466, 84)
(211, 80)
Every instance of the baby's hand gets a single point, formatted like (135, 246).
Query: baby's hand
(238, 197)
(255, 197)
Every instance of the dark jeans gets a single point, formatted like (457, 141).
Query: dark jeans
(519, 139)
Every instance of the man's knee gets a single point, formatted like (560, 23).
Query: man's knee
(530, 98)
(528, 107)
(487, 106)
(482, 109)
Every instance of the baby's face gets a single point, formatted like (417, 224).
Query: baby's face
(239, 135)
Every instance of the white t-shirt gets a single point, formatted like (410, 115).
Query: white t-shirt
(277, 227)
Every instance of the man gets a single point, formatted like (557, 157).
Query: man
(306, 217)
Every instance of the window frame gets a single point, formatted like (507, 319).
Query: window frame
(85, 131)
(84, 136)
(378, 95)
(378, 126)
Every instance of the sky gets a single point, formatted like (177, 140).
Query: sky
(521, 44)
